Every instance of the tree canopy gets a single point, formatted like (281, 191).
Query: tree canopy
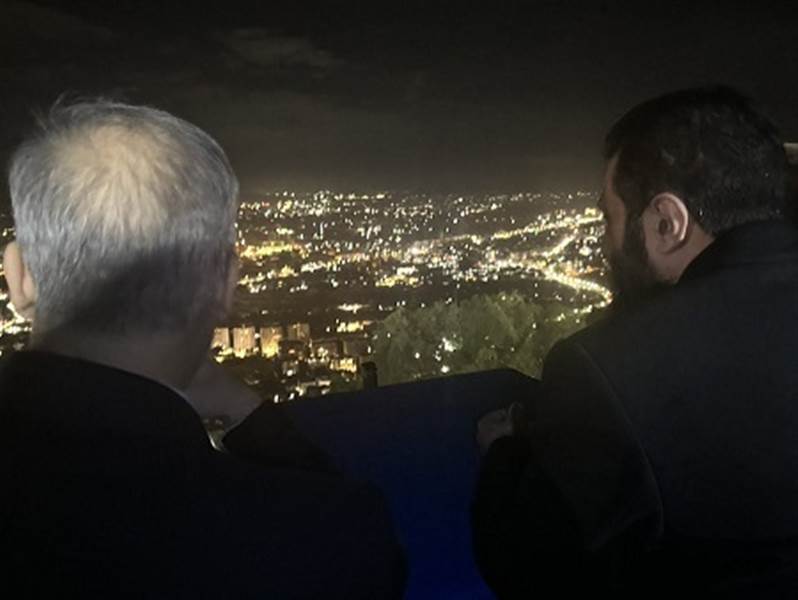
(480, 333)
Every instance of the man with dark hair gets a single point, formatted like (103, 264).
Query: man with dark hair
(660, 457)
(710, 149)
(125, 261)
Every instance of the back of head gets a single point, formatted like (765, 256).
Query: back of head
(125, 216)
(709, 146)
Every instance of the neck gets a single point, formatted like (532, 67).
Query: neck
(698, 243)
(171, 359)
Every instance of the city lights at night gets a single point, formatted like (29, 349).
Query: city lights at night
(310, 262)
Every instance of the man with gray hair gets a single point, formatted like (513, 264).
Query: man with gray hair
(125, 261)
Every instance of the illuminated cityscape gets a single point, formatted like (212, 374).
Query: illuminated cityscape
(321, 271)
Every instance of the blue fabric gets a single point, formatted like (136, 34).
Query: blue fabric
(416, 443)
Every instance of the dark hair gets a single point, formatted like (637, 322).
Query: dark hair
(709, 146)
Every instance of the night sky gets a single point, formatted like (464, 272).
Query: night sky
(464, 97)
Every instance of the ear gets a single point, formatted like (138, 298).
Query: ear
(21, 287)
(667, 223)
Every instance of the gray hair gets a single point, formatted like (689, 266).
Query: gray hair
(125, 216)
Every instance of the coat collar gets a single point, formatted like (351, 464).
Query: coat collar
(752, 243)
(80, 395)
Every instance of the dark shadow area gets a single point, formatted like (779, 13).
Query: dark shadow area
(792, 159)
(415, 441)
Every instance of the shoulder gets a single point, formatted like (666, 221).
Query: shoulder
(295, 518)
(625, 340)
(292, 498)
(321, 493)
(604, 367)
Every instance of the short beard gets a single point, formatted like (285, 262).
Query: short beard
(633, 280)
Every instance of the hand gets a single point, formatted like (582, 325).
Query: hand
(214, 392)
(498, 424)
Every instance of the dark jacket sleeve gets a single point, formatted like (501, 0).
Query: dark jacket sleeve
(355, 550)
(377, 566)
(569, 505)
(268, 437)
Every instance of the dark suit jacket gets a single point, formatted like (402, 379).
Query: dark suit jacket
(662, 454)
(110, 488)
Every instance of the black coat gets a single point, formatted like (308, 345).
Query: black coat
(110, 489)
(662, 453)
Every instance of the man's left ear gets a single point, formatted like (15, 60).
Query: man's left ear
(21, 288)
(668, 222)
